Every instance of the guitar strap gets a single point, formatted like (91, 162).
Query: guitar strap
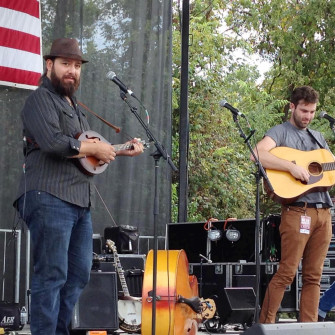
(117, 129)
(310, 134)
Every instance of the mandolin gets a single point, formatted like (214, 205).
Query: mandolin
(91, 165)
(129, 308)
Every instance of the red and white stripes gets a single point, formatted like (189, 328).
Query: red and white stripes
(21, 62)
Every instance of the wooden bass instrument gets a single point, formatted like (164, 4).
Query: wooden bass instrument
(178, 307)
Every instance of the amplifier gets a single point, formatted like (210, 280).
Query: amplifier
(97, 306)
(244, 275)
(133, 267)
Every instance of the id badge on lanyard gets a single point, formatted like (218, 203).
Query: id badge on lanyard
(305, 224)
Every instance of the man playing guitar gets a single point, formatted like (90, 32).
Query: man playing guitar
(305, 227)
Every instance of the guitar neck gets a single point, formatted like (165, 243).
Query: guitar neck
(328, 166)
(118, 267)
(120, 272)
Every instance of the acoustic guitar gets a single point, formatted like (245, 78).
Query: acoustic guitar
(91, 165)
(129, 308)
(320, 164)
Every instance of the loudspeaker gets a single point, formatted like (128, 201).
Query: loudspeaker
(240, 305)
(303, 328)
(97, 306)
(133, 267)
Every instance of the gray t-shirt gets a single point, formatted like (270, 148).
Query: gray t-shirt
(286, 135)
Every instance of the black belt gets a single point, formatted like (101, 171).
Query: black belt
(310, 205)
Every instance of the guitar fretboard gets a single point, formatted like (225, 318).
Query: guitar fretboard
(119, 268)
(328, 166)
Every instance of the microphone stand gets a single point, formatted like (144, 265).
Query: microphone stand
(331, 124)
(259, 174)
(160, 152)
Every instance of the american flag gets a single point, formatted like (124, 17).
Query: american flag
(21, 61)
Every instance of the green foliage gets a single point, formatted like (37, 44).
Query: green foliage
(221, 175)
(297, 37)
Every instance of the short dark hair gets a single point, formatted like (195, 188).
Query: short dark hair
(306, 93)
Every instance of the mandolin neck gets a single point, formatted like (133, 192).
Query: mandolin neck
(125, 146)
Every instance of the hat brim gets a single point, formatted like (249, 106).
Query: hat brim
(76, 57)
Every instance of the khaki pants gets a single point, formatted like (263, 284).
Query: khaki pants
(312, 248)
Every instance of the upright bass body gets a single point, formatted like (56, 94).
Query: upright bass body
(173, 317)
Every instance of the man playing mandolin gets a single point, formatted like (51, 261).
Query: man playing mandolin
(305, 227)
(54, 194)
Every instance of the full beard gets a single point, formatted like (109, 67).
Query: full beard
(64, 89)
(299, 122)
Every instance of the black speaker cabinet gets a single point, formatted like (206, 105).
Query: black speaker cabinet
(303, 328)
(96, 308)
(133, 267)
(240, 305)
(244, 275)
(192, 237)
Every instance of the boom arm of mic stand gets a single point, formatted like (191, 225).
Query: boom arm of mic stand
(151, 137)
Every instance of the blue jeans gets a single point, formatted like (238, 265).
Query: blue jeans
(327, 301)
(61, 235)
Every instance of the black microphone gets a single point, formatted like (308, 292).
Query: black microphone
(224, 103)
(112, 76)
(324, 115)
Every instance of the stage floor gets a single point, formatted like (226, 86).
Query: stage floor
(230, 329)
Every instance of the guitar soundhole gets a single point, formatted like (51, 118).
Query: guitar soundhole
(315, 168)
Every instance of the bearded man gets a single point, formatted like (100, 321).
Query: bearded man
(54, 193)
(305, 227)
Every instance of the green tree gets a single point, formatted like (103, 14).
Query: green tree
(297, 38)
(221, 176)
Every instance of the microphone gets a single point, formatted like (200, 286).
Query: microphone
(112, 76)
(324, 115)
(206, 259)
(236, 112)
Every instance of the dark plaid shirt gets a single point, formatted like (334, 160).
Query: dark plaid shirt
(50, 127)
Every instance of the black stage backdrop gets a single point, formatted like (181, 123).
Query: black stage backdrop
(132, 39)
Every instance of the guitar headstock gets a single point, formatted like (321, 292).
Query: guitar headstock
(111, 246)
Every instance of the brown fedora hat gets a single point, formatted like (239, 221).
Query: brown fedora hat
(67, 48)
